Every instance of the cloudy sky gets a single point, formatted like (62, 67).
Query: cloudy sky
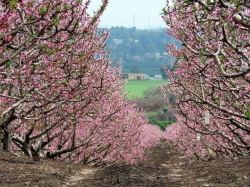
(129, 13)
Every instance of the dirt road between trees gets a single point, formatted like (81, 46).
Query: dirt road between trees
(164, 167)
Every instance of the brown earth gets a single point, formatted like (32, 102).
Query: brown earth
(164, 167)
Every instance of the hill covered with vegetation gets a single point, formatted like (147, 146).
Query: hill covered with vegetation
(141, 51)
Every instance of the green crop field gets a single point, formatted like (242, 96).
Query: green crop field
(139, 86)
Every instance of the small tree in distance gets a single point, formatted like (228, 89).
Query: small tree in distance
(135, 69)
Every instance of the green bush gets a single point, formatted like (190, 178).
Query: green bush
(161, 124)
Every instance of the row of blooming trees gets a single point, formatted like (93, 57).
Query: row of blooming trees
(211, 77)
(59, 94)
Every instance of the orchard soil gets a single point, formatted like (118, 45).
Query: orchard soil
(164, 167)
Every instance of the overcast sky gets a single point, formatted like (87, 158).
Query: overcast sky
(129, 13)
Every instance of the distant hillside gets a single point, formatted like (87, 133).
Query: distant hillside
(141, 51)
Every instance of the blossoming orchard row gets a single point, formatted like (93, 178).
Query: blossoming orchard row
(59, 95)
(211, 76)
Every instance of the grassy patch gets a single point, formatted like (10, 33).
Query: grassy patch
(139, 86)
(150, 113)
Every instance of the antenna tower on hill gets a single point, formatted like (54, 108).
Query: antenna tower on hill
(134, 20)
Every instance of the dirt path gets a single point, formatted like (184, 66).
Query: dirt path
(163, 167)
(85, 174)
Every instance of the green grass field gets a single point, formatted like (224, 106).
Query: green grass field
(139, 86)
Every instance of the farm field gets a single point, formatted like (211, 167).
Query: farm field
(139, 86)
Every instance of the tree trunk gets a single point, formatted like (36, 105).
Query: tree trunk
(27, 149)
(6, 140)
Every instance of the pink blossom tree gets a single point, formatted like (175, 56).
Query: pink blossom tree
(60, 95)
(211, 76)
